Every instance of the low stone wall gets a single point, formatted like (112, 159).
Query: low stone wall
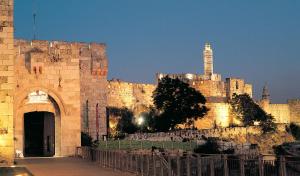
(230, 132)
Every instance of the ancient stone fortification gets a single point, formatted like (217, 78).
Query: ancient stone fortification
(217, 92)
(137, 97)
(134, 96)
(62, 83)
(283, 113)
(70, 74)
(6, 79)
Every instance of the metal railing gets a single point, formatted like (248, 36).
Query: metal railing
(188, 164)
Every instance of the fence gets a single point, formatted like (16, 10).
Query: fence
(161, 164)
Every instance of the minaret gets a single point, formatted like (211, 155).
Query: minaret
(265, 99)
(208, 60)
(265, 94)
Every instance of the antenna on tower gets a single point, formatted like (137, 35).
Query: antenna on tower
(34, 14)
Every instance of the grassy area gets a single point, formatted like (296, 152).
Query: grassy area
(128, 144)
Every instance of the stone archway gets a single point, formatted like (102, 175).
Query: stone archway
(51, 105)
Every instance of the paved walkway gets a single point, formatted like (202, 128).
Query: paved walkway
(66, 167)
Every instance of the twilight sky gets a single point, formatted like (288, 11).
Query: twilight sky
(255, 40)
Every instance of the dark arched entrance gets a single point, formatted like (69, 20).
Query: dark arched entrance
(39, 134)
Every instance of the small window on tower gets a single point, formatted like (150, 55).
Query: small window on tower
(237, 85)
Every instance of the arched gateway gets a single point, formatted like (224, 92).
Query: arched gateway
(38, 123)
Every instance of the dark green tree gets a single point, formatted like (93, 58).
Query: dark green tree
(177, 103)
(125, 124)
(295, 130)
(249, 112)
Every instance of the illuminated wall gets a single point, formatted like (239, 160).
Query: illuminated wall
(6, 79)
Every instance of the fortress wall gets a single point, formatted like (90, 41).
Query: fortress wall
(6, 80)
(54, 68)
(218, 115)
(280, 112)
(93, 84)
(134, 96)
(210, 88)
(248, 89)
(238, 86)
(294, 105)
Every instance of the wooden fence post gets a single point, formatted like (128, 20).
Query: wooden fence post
(161, 167)
(136, 163)
(282, 166)
(226, 173)
(142, 164)
(261, 165)
(178, 165)
(148, 164)
(169, 166)
(154, 165)
(188, 165)
(199, 165)
(242, 166)
(212, 166)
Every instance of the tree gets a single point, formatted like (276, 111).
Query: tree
(125, 124)
(295, 130)
(246, 110)
(177, 103)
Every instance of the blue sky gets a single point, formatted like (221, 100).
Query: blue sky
(255, 40)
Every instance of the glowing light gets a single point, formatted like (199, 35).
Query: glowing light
(189, 76)
(140, 120)
(256, 123)
(160, 76)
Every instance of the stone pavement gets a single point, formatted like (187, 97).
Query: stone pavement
(66, 167)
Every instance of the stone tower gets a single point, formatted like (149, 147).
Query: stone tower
(208, 60)
(265, 98)
(6, 81)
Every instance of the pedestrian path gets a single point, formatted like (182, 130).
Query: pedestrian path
(66, 167)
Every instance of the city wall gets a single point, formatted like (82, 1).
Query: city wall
(6, 80)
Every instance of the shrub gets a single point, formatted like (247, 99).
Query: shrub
(86, 139)
(212, 147)
(295, 130)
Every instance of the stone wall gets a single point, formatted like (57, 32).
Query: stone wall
(210, 88)
(238, 86)
(51, 67)
(294, 105)
(281, 112)
(218, 115)
(134, 96)
(6, 80)
(93, 88)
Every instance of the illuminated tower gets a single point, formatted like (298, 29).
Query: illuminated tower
(6, 80)
(208, 60)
